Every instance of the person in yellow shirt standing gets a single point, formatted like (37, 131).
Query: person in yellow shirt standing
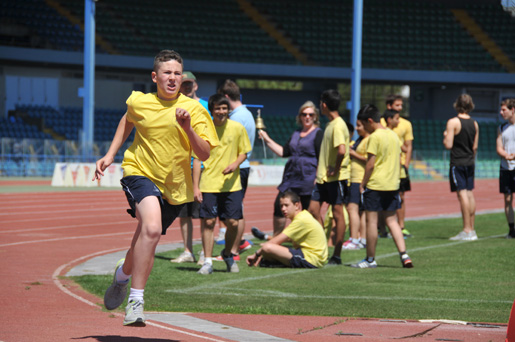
(308, 237)
(156, 172)
(220, 184)
(332, 172)
(380, 185)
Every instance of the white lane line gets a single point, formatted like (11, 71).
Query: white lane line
(60, 286)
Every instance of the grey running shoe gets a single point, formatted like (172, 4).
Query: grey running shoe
(365, 264)
(232, 267)
(334, 261)
(206, 269)
(184, 257)
(134, 313)
(116, 293)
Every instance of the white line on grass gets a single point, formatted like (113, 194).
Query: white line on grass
(209, 289)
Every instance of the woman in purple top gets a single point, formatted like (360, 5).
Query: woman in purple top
(303, 148)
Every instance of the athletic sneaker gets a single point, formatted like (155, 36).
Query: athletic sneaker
(352, 246)
(232, 267)
(257, 233)
(463, 236)
(206, 269)
(116, 293)
(134, 313)
(244, 245)
(406, 233)
(510, 236)
(365, 264)
(334, 261)
(201, 258)
(347, 242)
(220, 239)
(184, 257)
(406, 261)
(219, 258)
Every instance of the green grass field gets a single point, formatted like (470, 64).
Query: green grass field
(470, 281)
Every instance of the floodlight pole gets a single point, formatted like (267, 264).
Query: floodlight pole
(357, 35)
(88, 92)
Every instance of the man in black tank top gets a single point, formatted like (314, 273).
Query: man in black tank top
(461, 137)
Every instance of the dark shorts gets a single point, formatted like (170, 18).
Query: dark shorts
(507, 181)
(461, 178)
(304, 200)
(374, 200)
(297, 260)
(405, 184)
(136, 188)
(244, 177)
(333, 192)
(191, 209)
(224, 205)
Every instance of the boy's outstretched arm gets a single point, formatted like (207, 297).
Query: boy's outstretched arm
(233, 166)
(200, 147)
(122, 133)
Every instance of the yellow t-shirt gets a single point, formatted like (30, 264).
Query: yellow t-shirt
(357, 170)
(161, 150)
(336, 133)
(308, 235)
(386, 146)
(233, 142)
(405, 132)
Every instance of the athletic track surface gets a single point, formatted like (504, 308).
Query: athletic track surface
(44, 234)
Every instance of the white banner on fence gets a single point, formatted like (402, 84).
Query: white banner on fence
(265, 175)
(81, 174)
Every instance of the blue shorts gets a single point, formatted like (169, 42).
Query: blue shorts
(224, 205)
(461, 178)
(355, 195)
(136, 188)
(374, 200)
(191, 209)
(297, 260)
(244, 178)
(507, 181)
(333, 192)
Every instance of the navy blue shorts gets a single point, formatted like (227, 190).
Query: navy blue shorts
(225, 205)
(355, 195)
(333, 192)
(507, 181)
(304, 200)
(136, 188)
(191, 209)
(297, 260)
(405, 184)
(461, 178)
(244, 177)
(374, 200)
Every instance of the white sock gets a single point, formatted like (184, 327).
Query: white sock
(136, 294)
(208, 261)
(121, 277)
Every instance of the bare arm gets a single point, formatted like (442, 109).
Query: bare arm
(476, 139)
(196, 180)
(356, 155)
(123, 131)
(233, 166)
(200, 147)
(332, 170)
(408, 145)
(448, 134)
(279, 239)
(369, 167)
(275, 147)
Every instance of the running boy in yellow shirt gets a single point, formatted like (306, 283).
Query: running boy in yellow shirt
(156, 172)
(220, 184)
(380, 185)
(308, 237)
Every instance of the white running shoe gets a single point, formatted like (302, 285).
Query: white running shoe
(352, 246)
(206, 269)
(464, 236)
(184, 257)
(365, 264)
(134, 313)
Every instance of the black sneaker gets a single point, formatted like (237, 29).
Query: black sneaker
(335, 261)
(257, 233)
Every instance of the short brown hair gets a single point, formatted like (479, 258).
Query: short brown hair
(391, 98)
(464, 104)
(309, 104)
(165, 56)
(510, 103)
(231, 89)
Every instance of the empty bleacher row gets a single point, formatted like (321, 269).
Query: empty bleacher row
(397, 34)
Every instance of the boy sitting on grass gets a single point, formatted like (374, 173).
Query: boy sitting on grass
(308, 237)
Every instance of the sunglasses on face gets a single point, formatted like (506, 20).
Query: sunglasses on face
(307, 114)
